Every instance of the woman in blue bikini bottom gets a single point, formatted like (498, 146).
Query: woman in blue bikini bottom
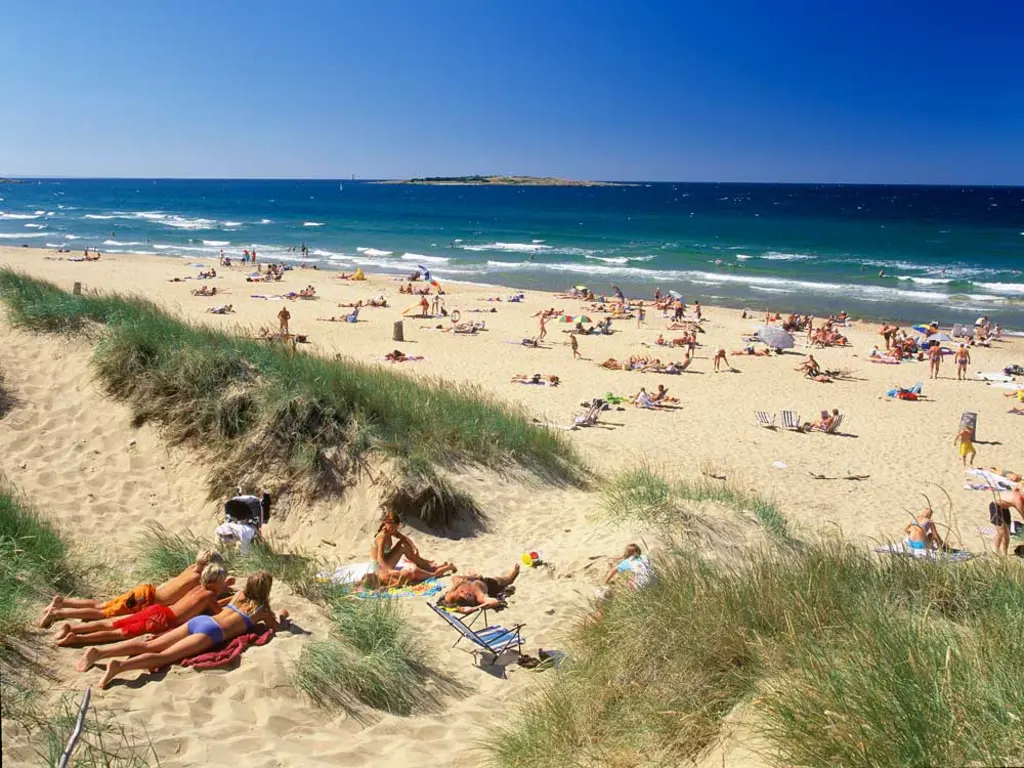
(203, 633)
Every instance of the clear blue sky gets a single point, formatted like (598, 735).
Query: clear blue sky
(753, 90)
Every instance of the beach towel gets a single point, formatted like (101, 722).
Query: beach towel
(995, 377)
(901, 548)
(236, 532)
(992, 480)
(229, 653)
(423, 589)
(347, 574)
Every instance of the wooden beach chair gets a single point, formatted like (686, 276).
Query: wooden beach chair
(791, 421)
(766, 421)
(494, 640)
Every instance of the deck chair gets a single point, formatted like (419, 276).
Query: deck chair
(791, 421)
(766, 421)
(495, 639)
(832, 429)
(589, 418)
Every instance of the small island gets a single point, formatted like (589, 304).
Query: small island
(504, 181)
(11, 181)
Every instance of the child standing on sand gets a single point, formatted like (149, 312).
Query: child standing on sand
(965, 437)
(575, 346)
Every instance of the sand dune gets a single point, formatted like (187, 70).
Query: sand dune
(75, 453)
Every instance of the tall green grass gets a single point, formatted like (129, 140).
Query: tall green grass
(261, 409)
(643, 494)
(7, 398)
(371, 657)
(844, 660)
(33, 564)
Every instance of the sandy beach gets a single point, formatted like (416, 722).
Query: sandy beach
(77, 457)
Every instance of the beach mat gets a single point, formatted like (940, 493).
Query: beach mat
(426, 588)
(899, 548)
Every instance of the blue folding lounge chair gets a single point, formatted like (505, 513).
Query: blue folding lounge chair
(495, 640)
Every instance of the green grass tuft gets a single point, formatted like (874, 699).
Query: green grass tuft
(263, 410)
(643, 494)
(843, 659)
(371, 657)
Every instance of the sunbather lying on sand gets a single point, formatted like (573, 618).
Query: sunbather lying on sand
(750, 349)
(153, 620)
(522, 378)
(132, 601)
(398, 560)
(636, 565)
(612, 364)
(204, 291)
(249, 607)
(224, 309)
(474, 592)
(397, 356)
(921, 532)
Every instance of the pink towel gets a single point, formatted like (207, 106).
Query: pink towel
(226, 654)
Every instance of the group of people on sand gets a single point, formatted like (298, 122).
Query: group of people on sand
(921, 532)
(190, 614)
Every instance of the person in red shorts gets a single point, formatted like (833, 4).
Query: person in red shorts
(154, 619)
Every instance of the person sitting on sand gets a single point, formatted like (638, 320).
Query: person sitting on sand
(153, 620)
(473, 592)
(132, 601)
(248, 608)
(661, 395)
(643, 400)
(636, 565)
(397, 558)
(921, 532)
(809, 367)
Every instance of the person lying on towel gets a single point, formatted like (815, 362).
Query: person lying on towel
(132, 601)
(157, 618)
(473, 592)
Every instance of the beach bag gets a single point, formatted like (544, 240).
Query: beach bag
(250, 510)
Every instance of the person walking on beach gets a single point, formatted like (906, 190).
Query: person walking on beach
(697, 310)
(935, 358)
(999, 516)
(282, 318)
(543, 326)
(963, 359)
(640, 312)
(574, 343)
(965, 437)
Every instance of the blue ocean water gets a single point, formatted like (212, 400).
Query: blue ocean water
(899, 252)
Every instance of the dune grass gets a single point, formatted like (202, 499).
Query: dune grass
(645, 495)
(7, 398)
(371, 657)
(843, 659)
(264, 410)
(33, 564)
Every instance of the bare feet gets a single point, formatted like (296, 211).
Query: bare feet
(87, 659)
(113, 667)
(515, 572)
(49, 616)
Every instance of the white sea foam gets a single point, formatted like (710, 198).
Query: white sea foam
(742, 257)
(35, 226)
(148, 215)
(217, 243)
(536, 242)
(508, 247)
(618, 259)
(181, 222)
(21, 235)
(423, 258)
(925, 280)
(102, 216)
(780, 256)
(266, 221)
(232, 223)
(123, 242)
(1002, 288)
(72, 237)
(19, 216)
(312, 223)
(373, 252)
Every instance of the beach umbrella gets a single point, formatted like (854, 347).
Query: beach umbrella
(775, 337)
(922, 329)
(940, 337)
(424, 273)
(618, 292)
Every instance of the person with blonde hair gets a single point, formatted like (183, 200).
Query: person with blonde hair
(155, 619)
(132, 601)
(248, 608)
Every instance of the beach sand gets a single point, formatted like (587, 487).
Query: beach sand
(77, 457)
